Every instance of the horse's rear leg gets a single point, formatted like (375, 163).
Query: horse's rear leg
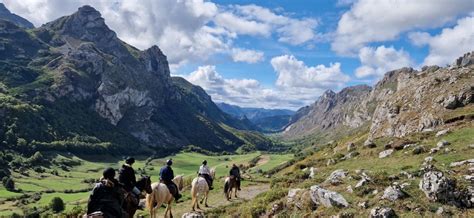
(235, 193)
(207, 194)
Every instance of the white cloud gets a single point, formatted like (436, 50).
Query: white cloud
(250, 93)
(289, 30)
(377, 21)
(377, 61)
(449, 44)
(294, 73)
(185, 30)
(247, 55)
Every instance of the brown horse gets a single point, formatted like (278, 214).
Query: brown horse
(130, 204)
(230, 183)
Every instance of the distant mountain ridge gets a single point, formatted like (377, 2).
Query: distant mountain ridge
(267, 120)
(5, 14)
(72, 84)
(404, 101)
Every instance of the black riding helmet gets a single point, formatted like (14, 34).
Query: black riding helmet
(130, 160)
(169, 162)
(109, 173)
(204, 162)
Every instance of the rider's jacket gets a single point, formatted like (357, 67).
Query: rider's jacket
(204, 170)
(107, 198)
(166, 174)
(127, 177)
(235, 171)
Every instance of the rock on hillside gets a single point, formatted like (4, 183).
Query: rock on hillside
(77, 60)
(402, 102)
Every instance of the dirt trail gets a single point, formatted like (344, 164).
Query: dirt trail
(217, 199)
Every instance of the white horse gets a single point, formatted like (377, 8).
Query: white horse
(162, 195)
(199, 187)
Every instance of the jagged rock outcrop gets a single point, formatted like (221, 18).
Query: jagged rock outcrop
(438, 187)
(393, 193)
(5, 14)
(336, 177)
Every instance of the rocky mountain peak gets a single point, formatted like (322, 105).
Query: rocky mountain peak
(464, 61)
(155, 61)
(86, 24)
(5, 14)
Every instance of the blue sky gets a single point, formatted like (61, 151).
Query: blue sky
(281, 54)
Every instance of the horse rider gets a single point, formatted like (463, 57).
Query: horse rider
(235, 172)
(166, 176)
(106, 196)
(128, 180)
(206, 174)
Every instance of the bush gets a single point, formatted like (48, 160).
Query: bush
(57, 204)
(8, 183)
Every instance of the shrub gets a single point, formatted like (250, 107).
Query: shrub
(8, 183)
(56, 204)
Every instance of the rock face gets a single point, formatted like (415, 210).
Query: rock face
(297, 198)
(85, 66)
(329, 111)
(382, 212)
(404, 101)
(5, 14)
(327, 198)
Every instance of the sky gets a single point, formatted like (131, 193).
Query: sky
(281, 53)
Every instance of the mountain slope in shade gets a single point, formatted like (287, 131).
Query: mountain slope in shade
(403, 102)
(79, 82)
(5, 14)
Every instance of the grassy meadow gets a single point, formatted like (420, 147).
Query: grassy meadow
(71, 177)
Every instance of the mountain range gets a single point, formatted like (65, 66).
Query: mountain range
(73, 85)
(266, 120)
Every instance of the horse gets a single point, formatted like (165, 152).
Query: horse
(229, 184)
(130, 206)
(161, 195)
(199, 187)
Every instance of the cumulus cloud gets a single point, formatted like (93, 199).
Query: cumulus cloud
(288, 30)
(247, 55)
(250, 93)
(449, 44)
(375, 62)
(377, 21)
(294, 73)
(184, 30)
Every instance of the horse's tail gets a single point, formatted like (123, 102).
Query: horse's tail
(226, 186)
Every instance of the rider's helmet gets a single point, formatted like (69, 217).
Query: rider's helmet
(204, 162)
(169, 162)
(130, 160)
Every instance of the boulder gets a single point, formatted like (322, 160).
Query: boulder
(326, 197)
(369, 144)
(193, 215)
(436, 186)
(460, 163)
(351, 146)
(297, 198)
(312, 172)
(382, 212)
(442, 132)
(418, 149)
(364, 180)
(336, 177)
(442, 143)
(393, 192)
(385, 153)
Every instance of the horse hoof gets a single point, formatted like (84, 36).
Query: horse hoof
(207, 205)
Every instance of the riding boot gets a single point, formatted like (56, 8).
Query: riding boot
(238, 185)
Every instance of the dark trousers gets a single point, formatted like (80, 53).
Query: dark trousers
(172, 187)
(208, 179)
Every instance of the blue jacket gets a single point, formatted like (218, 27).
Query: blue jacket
(166, 174)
